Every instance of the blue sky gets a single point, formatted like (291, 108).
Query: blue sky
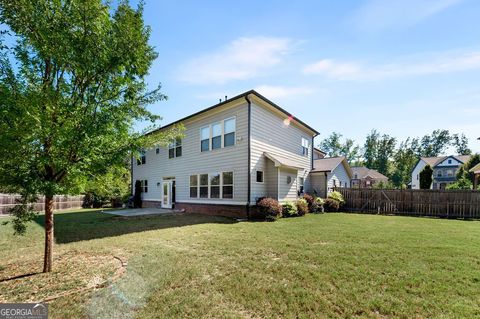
(403, 67)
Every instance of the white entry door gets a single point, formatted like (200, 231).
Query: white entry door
(167, 194)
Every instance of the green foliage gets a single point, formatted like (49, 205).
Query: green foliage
(384, 185)
(269, 208)
(302, 207)
(435, 144)
(460, 142)
(464, 171)
(331, 205)
(426, 177)
(378, 151)
(333, 146)
(289, 209)
(77, 86)
(336, 196)
(404, 160)
(22, 213)
(462, 183)
(112, 187)
(320, 201)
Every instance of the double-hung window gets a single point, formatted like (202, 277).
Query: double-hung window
(175, 148)
(193, 186)
(227, 185)
(216, 136)
(229, 132)
(215, 185)
(203, 185)
(305, 146)
(142, 159)
(205, 139)
(143, 185)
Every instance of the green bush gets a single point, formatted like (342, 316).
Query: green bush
(310, 200)
(317, 206)
(336, 196)
(289, 209)
(331, 205)
(302, 207)
(269, 208)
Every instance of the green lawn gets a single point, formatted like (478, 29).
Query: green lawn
(317, 266)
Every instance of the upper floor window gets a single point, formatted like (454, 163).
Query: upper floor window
(175, 148)
(449, 161)
(142, 159)
(439, 173)
(217, 135)
(157, 150)
(450, 172)
(205, 139)
(305, 146)
(229, 132)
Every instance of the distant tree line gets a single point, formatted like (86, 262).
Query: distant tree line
(391, 157)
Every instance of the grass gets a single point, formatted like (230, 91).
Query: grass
(317, 266)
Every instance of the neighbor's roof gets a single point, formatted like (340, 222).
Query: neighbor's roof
(243, 95)
(363, 172)
(475, 169)
(328, 164)
(281, 161)
(433, 161)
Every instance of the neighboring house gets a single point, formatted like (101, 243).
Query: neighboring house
(476, 173)
(364, 177)
(328, 173)
(444, 168)
(232, 153)
(318, 153)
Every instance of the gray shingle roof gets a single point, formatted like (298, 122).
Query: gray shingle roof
(363, 172)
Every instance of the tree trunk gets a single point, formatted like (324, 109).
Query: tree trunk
(47, 259)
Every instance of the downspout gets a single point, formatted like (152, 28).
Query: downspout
(249, 176)
(131, 174)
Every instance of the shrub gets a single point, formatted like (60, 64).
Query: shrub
(269, 208)
(331, 205)
(310, 200)
(302, 207)
(289, 209)
(336, 196)
(317, 205)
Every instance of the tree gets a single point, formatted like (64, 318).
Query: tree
(68, 102)
(333, 146)
(426, 177)
(460, 142)
(435, 144)
(404, 160)
(378, 151)
(464, 171)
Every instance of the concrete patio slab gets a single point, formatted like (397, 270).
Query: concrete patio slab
(141, 211)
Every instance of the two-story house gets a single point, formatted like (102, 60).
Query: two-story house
(444, 168)
(232, 153)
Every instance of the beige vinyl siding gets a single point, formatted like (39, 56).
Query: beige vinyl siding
(338, 175)
(270, 134)
(193, 161)
(287, 191)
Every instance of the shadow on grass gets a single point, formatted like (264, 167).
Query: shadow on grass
(86, 225)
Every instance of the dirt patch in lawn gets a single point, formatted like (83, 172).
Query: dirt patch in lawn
(73, 272)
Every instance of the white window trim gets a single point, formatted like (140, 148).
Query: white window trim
(222, 134)
(263, 177)
(307, 146)
(174, 147)
(209, 185)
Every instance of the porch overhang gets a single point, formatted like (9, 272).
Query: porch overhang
(280, 161)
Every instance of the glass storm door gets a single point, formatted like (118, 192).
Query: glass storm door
(167, 194)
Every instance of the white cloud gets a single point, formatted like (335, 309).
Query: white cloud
(242, 59)
(428, 65)
(275, 92)
(377, 15)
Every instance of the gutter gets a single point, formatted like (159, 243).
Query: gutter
(249, 176)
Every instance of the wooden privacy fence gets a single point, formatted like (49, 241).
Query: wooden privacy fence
(59, 202)
(463, 204)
